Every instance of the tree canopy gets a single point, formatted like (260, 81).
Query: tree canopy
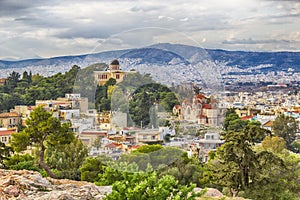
(42, 131)
(5, 152)
(147, 98)
(285, 127)
(25, 90)
(254, 171)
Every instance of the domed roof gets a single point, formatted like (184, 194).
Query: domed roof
(114, 62)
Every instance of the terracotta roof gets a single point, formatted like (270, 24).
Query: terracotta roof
(268, 124)
(197, 101)
(2, 80)
(207, 106)
(200, 96)
(113, 145)
(9, 114)
(186, 101)
(135, 146)
(246, 118)
(130, 128)
(213, 101)
(7, 132)
(31, 107)
(177, 106)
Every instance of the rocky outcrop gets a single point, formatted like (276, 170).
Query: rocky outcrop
(28, 185)
(210, 192)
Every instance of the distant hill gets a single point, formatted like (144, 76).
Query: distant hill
(169, 63)
(63, 60)
(279, 60)
(164, 53)
(241, 59)
(154, 56)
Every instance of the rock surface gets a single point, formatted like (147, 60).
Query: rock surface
(210, 192)
(28, 185)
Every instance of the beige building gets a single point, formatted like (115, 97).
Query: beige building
(202, 147)
(88, 137)
(151, 136)
(10, 119)
(5, 135)
(76, 102)
(70, 101)
(24, 112)
(103, 119)
(2, 81)
(114, 72)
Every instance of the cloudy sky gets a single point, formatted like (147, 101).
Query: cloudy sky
(37, 28)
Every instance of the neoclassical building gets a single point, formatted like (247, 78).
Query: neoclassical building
(114, 71)
(202, 110)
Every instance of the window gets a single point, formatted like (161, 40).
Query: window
(117, 76)
(4, 139)
(206, 158)
(153, 137)
(102, 76)
(188, 111)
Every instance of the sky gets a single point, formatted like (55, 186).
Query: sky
(38, 28)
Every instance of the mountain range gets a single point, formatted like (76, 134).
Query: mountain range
(184, 62)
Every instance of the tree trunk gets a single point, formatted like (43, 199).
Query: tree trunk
(233, 192)
(42, 163)
(246, 177)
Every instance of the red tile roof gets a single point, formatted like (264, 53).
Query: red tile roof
(200, 96)
(9, 114)
(130, 128)
(246, 118)
(6, 132)
(186, 101)
(177, 106)
(135, 146)
(113, 145)
(98, 133)
(2, 80)
(207, 106)
(268, 124)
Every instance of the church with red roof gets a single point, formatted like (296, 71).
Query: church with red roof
(202, 110)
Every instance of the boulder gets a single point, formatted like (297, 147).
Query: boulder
(210, 192)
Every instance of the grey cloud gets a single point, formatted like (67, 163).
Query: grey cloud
(53, 20)
(138, 8)
(18, 8)
(93, 30)
(284, 0)
(252, 41)
(296, 15)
